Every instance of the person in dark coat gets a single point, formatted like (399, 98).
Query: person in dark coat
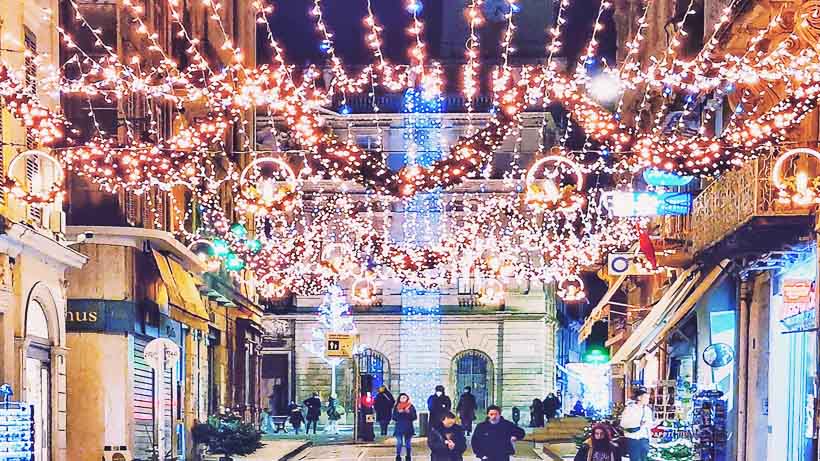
(494, 439)
(384, 404)
(551, 406)
(536, 413)
(466, 409)
(446, 440)
(600, 446)
(314, 410)
(295, 416)
(578, 409)
(438, 404)
(404, 414)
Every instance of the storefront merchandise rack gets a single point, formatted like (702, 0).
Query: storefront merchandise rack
(709, 426)
(16, 432)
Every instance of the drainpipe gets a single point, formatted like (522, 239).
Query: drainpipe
(744, 301)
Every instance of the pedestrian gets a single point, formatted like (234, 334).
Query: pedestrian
(466, 409)
(578, 409)
(537, 413)
(314, 410)
(438, 404)
(599, 447)
(295, 416)
(334, 414)
(404, 414)
(637, 420)
(384, 408)
(551, 405)
(494, 439)
(447, 441)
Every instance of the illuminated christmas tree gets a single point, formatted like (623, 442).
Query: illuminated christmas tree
(334, 317)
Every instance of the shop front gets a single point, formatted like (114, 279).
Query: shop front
(793, 360)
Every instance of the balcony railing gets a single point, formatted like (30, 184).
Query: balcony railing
(734, 200)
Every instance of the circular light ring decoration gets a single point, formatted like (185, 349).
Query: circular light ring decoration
(333, 257)
(799, 190)
(209, 257)
(571, 289)
(272, 196)
(363, 292)
(492, 293)
(549, 195)
(50, 195)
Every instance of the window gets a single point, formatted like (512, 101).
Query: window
(374, 371)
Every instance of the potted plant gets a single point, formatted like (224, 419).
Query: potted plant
(227, 435)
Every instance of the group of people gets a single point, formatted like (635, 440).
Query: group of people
(493, 440)
(544, 410)
(637, 422)
(296, 418)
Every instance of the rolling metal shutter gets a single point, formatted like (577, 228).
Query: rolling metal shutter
(144, 392)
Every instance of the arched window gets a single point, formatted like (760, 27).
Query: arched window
(36, 322)
(474, 368)
(374, 370)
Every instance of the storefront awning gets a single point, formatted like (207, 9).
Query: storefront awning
(600, 309)
(180, 286)
(674, 296)
(168, 279)
(712, 278)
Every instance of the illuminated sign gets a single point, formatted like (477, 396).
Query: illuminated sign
(622, 204)
(628, 264)
(798, 297)
(655, 177)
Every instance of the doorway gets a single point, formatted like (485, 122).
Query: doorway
(374, 371)
(275, 382)
(38, 378)
(474, 368)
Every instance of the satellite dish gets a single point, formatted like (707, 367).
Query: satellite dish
(718, 355)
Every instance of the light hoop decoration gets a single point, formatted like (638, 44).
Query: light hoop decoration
(267, 195)
(33, 196)
(492, 292)
(363, 292)
(800, 190)
(571, 289)
(208, 257)
(272, 289)
(547, 194)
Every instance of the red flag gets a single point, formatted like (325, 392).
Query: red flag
(647, 248)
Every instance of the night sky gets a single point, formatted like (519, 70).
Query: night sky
(294, 28)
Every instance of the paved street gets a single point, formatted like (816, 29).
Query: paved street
(383, 452)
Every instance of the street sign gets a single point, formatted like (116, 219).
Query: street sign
(339, 344)
(628, 264)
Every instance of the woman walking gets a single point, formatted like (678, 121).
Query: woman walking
(404, 414)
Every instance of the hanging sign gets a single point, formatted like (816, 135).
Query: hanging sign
(161, 353)
(798, 297)
(628, 264)
(625, 203)
(339, 345)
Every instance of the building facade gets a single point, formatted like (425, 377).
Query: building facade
(34, 253)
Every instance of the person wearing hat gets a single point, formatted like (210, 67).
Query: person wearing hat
(637, 421)
(466, 409)
(438, 404)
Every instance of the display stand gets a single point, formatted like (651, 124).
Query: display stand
(709, 424)
(16, 431)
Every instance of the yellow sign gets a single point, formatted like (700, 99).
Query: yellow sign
(339, 344)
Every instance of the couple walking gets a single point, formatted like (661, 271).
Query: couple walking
(493, 440)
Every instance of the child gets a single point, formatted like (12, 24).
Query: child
(296, 417)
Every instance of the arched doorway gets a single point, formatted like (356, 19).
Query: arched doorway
(38, 376)
(374, 371)
(475, 369)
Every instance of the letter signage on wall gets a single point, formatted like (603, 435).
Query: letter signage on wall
(798, 297)
(100, 315)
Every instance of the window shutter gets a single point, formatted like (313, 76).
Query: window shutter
(35, 213)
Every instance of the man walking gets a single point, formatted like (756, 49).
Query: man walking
(637, 420)
(314, 409)
(466, 409)
(438, 404)
(494, 439)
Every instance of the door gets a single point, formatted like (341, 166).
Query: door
(275, 383)
(374, 371)
(472, 368)
(38, 394)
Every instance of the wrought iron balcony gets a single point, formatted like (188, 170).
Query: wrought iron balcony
(741, 200)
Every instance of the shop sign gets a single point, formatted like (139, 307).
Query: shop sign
(339, 345)
(798, 297)
(628, 264)
(100, 316)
